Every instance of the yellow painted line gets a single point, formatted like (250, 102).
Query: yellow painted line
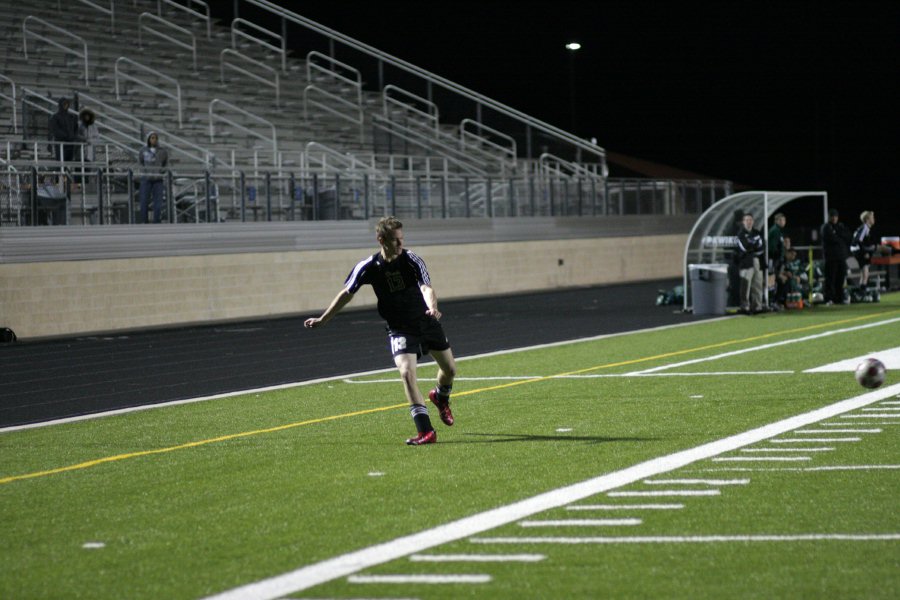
(234, 436)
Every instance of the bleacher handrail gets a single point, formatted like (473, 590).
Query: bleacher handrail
(176, 96)
(432, 115)
(465, 135)
(281, 49)
(26, 33)
(578, 143)
(142, 27)
(204, 16)
(431, 142)
(111, 11)
(357, 118)
(355, 81)
(213, 117)
(547, 160)
(12, 100)
(275, 82)
(175, 143)
(349, 161)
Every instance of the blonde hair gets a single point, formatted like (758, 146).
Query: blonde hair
(865, 215)
(387, 225)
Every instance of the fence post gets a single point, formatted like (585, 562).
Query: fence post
(394, 195)
(34, 202)
(170, 197)
(129, 182)
(489, 199)
(268, 196)
(468, 200)
(209, 200)
(315, 198)
(365, 196)
(418, 196)
(337, 197)
(243, 184)
(100, 206)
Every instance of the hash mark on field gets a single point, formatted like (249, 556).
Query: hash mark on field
(821, 449)
(626, 507)
(697, 481)
(430, 579)
(881, 409)
(477, 557)
(808, 431)
(760, 458)
(813, 440)
(640, 494)
(581, 523)
(697, 539)
(804, 469)
(876, 416)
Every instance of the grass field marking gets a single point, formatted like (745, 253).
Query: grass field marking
(195, 444)
(626, 507)
(887, 409)
(419, 579)
(696, 539)
(581, 523)
(891, 402)
(802, 469)
(870, 416)
(662, 493)
(761, 459)
(779, 343)
(311, 575)
(819, 449)
(477, 558)
(814, 440)
(696, 481)
(808, 431)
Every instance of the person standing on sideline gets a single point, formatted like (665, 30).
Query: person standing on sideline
(750, 250)
(153, 160)
(836, 240)
(864, 246)
(408, 303)
(776, 243)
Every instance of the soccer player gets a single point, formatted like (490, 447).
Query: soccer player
(408, 303)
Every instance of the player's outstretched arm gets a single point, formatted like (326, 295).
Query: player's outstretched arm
(339, 302)
(430, 301)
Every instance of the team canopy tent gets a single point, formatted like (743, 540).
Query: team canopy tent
(712, 238)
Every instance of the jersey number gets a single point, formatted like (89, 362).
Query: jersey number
(398, 344)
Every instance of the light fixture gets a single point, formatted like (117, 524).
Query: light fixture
(573, 46)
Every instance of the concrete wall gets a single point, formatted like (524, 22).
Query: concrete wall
(56, 298)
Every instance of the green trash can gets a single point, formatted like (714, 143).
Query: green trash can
(709, 288)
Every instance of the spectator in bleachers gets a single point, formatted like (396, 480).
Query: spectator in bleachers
(864, 246)
(836, 245)
(153, 160)
(750, 250)
(63, 127)
(88, 132)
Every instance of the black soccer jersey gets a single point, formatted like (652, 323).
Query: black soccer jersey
(396, 284)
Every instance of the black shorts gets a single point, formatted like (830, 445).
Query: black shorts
(863, 258)
(429, 336)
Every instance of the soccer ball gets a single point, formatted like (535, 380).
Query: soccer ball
(870, 373)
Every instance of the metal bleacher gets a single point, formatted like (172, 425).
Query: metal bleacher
(255, 132)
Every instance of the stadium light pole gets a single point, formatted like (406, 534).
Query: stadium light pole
(573, 48)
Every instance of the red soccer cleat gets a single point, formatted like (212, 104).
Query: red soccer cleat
(429, 437)
(443, 407)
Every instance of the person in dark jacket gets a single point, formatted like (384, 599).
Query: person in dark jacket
(864, 246)
(836, 240)
(751, 247)
(63, 128)
(153, 160)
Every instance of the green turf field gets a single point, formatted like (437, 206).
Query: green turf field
(560, 478)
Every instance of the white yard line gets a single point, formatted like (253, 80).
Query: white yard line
(695, 539)
(696, 481)
(419, 579)
(765, 346)
(761, 459)
(814, 431)
(308, 576)
(802, 469)
(814, 440)
(662, 493)
(820, 449)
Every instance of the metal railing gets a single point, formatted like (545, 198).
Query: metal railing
(430, 116)
(12, 101)
(474, 141)
(214, 117)
(419, 134)
(280, 49)
(154, 88)
(111, 11)
(142, 27)
(30, 33)
(203, 16)
(527, 123)
(274, 82)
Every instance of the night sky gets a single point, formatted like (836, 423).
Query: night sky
(772, 95)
